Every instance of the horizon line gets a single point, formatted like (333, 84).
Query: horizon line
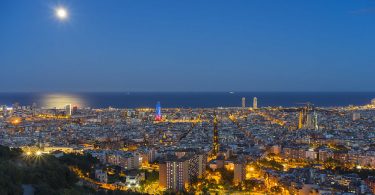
(188, 91)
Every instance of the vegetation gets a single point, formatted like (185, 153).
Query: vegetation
(86, 163)
(362, 173)
(254, 185)
(45, 173)
(332, 164)
(271, 164)
(276, 190)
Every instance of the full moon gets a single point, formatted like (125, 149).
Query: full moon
(61, 13)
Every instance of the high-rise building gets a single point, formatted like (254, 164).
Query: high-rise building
(75, 110)
(181, 169)
(151, 155)
(243, 102)
(130, 161)
(68, 110)
(158, 116)
(163, 175)
(255, 103)
(197, 166)
(177, 176)
(373, 101)
(127, 160)
(202, 163)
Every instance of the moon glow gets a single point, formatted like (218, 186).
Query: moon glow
(61, 13)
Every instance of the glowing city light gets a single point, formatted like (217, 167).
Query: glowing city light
(15, 120)
(38, 153)
(60, 100)
(158, 116)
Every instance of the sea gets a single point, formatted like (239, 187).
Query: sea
(185, 99)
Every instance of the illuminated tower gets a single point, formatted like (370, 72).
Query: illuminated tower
(158, 112)
(243, 102)
(68, 110)
(255, 103)
(216, 138)
(309, 123)
(308, 118)
(316, 125)
(300, 120)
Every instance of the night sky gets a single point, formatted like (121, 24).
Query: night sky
(192, 45)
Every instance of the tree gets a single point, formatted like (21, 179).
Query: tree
(46, 173)
(10, 178)
(276, 189)
(332, 164)
(83, 162)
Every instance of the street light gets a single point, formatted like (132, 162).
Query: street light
(38, 153)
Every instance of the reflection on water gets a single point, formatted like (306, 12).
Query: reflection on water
(61, 100)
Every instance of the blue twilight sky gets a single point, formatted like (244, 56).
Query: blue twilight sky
(191, 45)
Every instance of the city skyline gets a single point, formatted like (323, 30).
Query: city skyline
(187, 97)
(195, 46)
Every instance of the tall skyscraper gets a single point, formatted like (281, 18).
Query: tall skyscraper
(158, 116)
(179, 170)
(243, 102)
(373, 101)
(255, 103)
(177, 174)
(68, 110)
(75, 110)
